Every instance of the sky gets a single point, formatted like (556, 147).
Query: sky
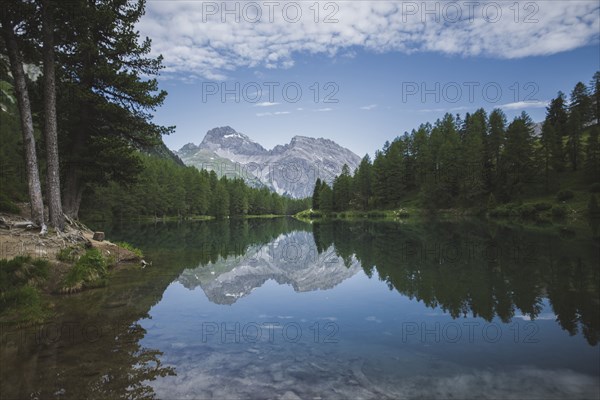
(361, 72)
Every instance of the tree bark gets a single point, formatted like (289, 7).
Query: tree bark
(56, 219)
(16, 67)
(73, 187)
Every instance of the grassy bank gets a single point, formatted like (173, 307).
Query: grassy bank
(31, 281)
(566, 208)
(175, 218)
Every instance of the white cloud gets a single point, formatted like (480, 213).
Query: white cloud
(525, 104)
(265, 104)
(195, 42)
(269, 114)
(324, 109)
(369, 107)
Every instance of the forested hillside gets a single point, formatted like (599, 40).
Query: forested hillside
(164, 188)
(76, 109)
(480, 162)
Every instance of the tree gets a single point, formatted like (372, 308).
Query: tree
(497, 134)
(517, 156)
(362, 183)
(574, 139)
(592, 156)
(593, 209)
(341, 190)
(494, 147)
(473, 155)
(107, 114)
(10, 22)
(316, 195)
(238, 199)
(380, 178)
(548, 152)
(395, 173)
(557, 114)
(581, 101)
(220, 200)
(326, 198)
(595, 87)
(56, 216)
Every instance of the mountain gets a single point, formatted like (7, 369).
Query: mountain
(290, 259)
(290, 169)
(161, 150)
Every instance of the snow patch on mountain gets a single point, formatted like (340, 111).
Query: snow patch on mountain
(289, 169)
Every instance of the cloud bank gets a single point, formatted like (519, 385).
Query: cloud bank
(212, 39)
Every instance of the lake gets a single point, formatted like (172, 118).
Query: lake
(281, 309)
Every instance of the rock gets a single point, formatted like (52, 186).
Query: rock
(99, 236)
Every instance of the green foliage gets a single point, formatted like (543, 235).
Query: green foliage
(89, 271)
(565, 195)
(595, 187)
(6, 205)
(559, 212)
(165, 188)
(592, 208)
(526, 211)
(542, 206)
(131, 248)
(316, 195)
(491, 204)
(464, 164)
(67, 254)
(20, 282)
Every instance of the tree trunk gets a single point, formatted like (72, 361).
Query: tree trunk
(57, 219)
(16, 67)
(73, 186)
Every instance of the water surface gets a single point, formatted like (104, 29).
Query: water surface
(283, 309)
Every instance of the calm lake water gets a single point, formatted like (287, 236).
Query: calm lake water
(281, 309)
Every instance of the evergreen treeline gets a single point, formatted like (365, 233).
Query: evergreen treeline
(479, 160)
(164, 188)
(81, 91)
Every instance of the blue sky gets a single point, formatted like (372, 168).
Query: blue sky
(381, 69)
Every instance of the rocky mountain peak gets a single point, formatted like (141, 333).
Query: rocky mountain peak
(188, 149)
(228, 139)
(288, 169)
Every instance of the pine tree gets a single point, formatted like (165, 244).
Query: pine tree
(557, 114)
(341, 190)
(56, 216)
(593, 209)
(107, 112)
(326, 198)
(575, 128)
(380, 178)
(11, 17)
(395, 173)
(595, 96)
(497, 135)
(547, 152)
(581, 101)
(517, 157)
(473, 156)
(557, 119)
(592, 156)
(220, 200)
(316, 195)
(362, 183)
